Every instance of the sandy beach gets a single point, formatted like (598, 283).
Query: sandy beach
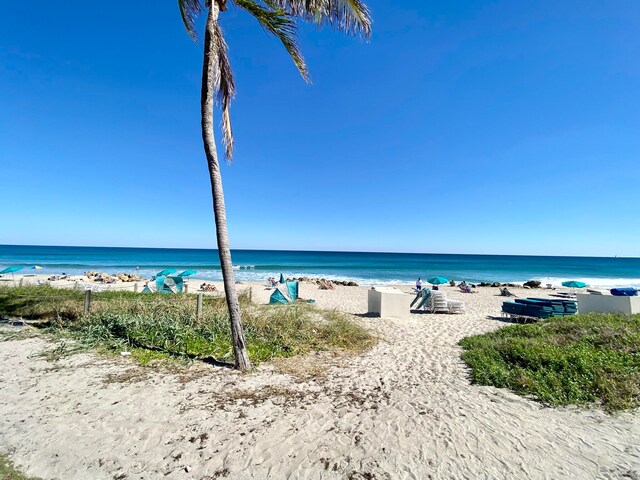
(404, 409)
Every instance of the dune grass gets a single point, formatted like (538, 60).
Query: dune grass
(9, 472)
(578, 360)
(157, 326)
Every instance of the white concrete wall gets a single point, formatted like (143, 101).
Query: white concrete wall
(389, 304)
(607, 304)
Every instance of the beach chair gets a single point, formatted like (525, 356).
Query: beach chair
(455, 306)
(422, 300)
(438, 302)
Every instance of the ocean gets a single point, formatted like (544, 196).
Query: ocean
(363, 268)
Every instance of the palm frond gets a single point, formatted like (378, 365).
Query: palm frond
(224, 87)
(350, 16)
(190, 9)
(282, 25)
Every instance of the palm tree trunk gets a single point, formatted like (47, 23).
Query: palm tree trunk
(242, 361)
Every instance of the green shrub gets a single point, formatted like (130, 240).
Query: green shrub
(580, 360)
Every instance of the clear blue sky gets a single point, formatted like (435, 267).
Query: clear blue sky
(464, 126)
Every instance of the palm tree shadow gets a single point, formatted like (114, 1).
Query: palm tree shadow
(216, 363)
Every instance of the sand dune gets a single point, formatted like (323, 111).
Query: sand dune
(405, 409)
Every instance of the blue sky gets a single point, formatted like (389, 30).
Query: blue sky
(462, 127)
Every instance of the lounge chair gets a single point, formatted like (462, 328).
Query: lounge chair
(455, 306)
(439, 303)
(422, 299)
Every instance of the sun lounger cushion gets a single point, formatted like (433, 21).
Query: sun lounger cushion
(624, 292)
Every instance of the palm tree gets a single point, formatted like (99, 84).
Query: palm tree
(277, 17)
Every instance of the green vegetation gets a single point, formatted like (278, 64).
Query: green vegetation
(579, 360)
(8, 471)
(157, 326)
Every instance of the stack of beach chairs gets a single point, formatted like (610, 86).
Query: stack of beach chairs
(539, 308)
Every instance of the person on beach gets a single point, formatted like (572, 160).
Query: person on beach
(419, 284)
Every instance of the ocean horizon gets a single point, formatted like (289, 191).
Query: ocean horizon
(365, 268)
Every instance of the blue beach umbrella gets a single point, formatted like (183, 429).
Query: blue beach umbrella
(573, 284)
(187, 273)
(11, 270)
(437, 280)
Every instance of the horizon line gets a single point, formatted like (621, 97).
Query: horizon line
(321, 251)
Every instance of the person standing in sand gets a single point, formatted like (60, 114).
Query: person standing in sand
(419, 284)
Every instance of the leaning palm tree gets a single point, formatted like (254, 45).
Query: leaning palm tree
(277, 17)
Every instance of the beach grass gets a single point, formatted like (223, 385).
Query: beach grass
(578, 360)
(156, 326)
(9, 472)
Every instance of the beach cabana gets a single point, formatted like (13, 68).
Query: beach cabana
(164, 285)
(285, 293)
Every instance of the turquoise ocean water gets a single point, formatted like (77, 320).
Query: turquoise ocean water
(364, 268)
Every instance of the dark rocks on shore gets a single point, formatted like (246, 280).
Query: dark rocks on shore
(497, 284)
(532, 284)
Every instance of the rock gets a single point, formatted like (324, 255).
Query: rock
(352, 284)
(532, 284)
(496, 284)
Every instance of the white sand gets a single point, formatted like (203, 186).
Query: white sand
(405, 409)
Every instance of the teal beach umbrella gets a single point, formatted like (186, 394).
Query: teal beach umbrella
(437, 280)
(166, 272)
(187, 273)
(573, 284)
(11, 270)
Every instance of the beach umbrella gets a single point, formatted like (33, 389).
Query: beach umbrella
(166, 272)
(11, 270)
(35, 267)
(187, 273)
(573, 284)
(281, 278)
(437, 280)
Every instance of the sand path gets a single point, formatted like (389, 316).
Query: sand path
(405, 409)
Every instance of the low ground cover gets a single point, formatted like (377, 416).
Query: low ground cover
(576, 360)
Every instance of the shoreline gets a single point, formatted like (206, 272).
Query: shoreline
(7, 279)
